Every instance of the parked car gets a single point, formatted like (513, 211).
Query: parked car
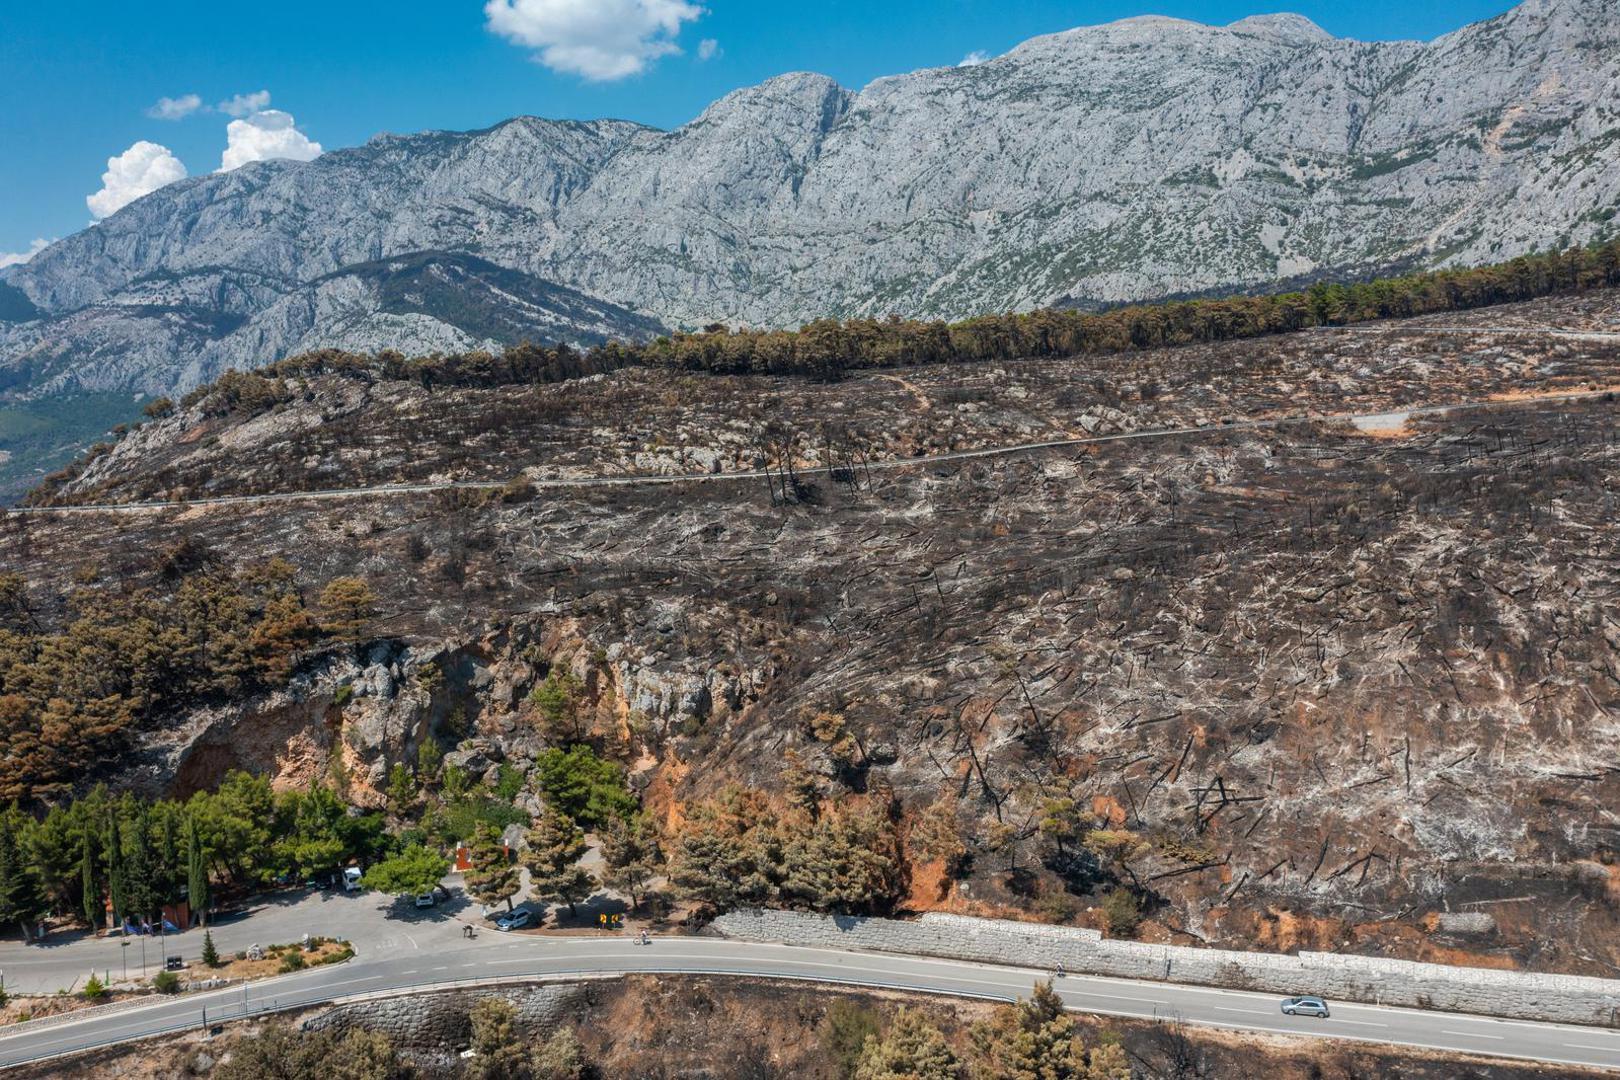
(427, 899)
(1305, 1006)
(515, 920)
(351, 878)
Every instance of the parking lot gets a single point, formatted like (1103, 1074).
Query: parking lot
(377, 925)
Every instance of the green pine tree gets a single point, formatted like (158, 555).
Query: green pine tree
(556, 845)
(492, 877)
(631, 856)
(210, 955)
(911, 1047)
(1030, 1038)
(21, 896)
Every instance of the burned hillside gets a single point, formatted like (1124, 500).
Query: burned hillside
(256, 435)
(1321, 686)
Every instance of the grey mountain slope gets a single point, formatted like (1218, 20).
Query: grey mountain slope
(216, 319)
(1141, 158)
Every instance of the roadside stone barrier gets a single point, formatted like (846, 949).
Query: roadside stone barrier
(1571, 999)
(432, 1020)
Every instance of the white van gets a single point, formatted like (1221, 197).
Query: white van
(351, 878)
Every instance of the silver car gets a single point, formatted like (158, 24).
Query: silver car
(1305, 1006)
(516, 920)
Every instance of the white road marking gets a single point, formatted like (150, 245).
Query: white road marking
(1472, 1035)
(1363, 1023)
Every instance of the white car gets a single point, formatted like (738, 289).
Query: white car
(427, 899)
(351, 878)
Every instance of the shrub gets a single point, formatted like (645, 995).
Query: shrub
(337, 956)
(1122, 913)
(510, 784)
(94, 989)
(166, 982)
(292, 961)
(1057, 906)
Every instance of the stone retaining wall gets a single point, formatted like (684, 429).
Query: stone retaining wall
(437, 1020)
(1571, 999)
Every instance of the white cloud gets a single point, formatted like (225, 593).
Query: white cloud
(175, 108)
(265, 136)
(974, 58)
(140, 170)
(245, 104)
(8, 258)
(600, 40)
(708, 49)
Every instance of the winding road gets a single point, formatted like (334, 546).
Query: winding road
(508, 959)
(587, 482)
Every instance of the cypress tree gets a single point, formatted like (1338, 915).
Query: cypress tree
(168, 855)
(115, 869)
(141, 866)
(210, 955)
(87, 881)
(196, 875)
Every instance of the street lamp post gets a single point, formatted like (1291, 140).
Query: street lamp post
(123, 959)
(143, 956)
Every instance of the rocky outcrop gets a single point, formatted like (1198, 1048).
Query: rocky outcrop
(376, 705)
(1141, 158)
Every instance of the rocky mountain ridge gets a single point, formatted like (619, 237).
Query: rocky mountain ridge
(1135, 159)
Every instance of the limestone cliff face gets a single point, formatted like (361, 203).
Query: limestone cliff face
(373, 707)
(1136, 159)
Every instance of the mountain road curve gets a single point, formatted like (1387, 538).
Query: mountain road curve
(1248, 424)
(495, 958)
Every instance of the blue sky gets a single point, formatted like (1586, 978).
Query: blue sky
(79, 82)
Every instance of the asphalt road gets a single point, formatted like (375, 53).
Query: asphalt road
(373, 922)
(587, 482)
(517, 958)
